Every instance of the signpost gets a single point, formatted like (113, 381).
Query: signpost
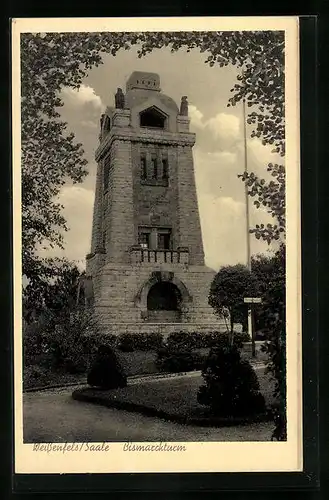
(251, 326)
(248, 300)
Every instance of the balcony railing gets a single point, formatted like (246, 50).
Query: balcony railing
(141, 255)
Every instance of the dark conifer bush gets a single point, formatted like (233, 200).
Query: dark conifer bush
(231, 387)
(106, 371)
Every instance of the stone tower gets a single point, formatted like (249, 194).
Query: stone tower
(146, 267)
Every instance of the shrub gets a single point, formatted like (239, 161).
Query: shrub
(34, 345)
(126, 342)
(178, 358)
(189, 340)
(129, 342)
(106, 339)
(61, 340)
(148, 341)
(242, 337)
(106, 371)
(35, 376)
(197, 340)
(178, 339)
(216, 338)
(231, 386)
(213, 338)
(74, 340)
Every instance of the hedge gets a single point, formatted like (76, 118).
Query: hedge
(128, 342)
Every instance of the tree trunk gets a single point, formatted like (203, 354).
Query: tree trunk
(231, 330)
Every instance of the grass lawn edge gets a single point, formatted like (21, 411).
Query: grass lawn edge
(90, 396)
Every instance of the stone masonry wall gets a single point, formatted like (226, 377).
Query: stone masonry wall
(120, 211)
(118, 287)
(150, 199)
(188, 213)
(127, 203)
(96, 240)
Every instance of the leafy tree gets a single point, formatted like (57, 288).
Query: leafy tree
(228, 290)
(59, 340)
(54, 288)
(270, 195)
(63, 293)
(271, 275)
(264, 268)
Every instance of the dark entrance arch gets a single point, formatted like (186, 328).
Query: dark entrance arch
(164, 303)
(163, 290)
(164, 296)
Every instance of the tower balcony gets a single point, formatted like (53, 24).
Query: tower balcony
(140, 255)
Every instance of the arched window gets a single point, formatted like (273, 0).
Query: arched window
(152, 118)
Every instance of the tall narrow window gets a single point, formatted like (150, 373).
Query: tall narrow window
(154, 168)
(164, 239)
(143, 168)
(165, 169)
(144, 239)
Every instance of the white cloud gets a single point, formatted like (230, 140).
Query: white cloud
(83, 95)
(227, 157)
(196, 116)
(262, 154)
(78, 206)
(223, 222)
(74, 196)
(88, 124)
(258, 156)
(216, 172)
(234, 207)
(224, 126)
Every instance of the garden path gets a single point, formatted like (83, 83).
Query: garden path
(53, 416)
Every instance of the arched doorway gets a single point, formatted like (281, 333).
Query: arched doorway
(164, 303)
(163, 298)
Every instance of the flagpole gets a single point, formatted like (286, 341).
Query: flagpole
(246, 186)
(250, 306)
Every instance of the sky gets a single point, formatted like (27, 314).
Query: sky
(218, 152)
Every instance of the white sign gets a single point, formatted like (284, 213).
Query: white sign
(252, 300)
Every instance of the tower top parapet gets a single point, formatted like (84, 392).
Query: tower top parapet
(143, 80)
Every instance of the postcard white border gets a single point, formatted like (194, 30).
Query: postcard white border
(205, 456)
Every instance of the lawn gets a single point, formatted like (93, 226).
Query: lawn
(134, 363)
(35, 377)
(172, 399)
(138, 362)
